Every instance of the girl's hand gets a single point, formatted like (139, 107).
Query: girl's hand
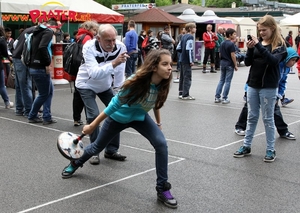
(87, 129)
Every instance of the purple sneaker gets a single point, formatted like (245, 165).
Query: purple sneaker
(165, 196)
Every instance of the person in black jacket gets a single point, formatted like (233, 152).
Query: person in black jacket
(24, 88)
(3, 53)
(40, 59)
(263, 55)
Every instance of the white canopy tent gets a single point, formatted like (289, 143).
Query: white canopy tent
(87, 9)
(208, 17)
(189, 15)
(291, 20)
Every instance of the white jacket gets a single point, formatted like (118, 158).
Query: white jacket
(97, 76)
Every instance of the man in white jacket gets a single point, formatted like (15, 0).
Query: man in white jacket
(104, 57)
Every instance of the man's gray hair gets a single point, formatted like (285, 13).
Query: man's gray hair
(104, 27)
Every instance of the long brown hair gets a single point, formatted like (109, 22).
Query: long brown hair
(138, 86)
(276, 38)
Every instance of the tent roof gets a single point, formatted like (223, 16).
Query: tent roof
(156, 15)
(98, 12)
(189, 15)
(291, 20)
(209, 16)
(242, 20)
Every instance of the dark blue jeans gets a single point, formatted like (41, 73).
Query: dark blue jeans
(23, 84)
(3, 92)
(89, 99)
(130, 64)
(147, 128)
(45, 88)
(185, 80)
(224, 82)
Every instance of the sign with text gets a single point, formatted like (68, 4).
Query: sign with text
(133, 6)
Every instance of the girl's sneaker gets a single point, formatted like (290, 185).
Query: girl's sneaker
(69, 170)
(164, 195)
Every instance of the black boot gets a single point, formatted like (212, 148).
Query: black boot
(212, 70)
(204, 70)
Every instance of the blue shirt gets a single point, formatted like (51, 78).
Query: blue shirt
(131, 40)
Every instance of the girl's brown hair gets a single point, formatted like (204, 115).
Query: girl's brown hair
(276, 38)
(139, 85)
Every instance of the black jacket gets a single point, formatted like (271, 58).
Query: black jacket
(21, 39)
(41, 54)
(3, 51)
(264, 71)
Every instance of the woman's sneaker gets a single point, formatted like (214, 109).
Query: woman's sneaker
(69, 170)
(242, 152)
(270, 156)
(164, 195)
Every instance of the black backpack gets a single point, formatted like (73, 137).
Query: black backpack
(72, 57)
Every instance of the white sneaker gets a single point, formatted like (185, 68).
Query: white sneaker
(225, 101)
(176, 80)
(10, 105)
(239, 132)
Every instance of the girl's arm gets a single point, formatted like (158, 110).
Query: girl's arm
(157, 117)
(88, 129)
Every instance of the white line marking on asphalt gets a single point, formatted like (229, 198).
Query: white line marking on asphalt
(95, 188)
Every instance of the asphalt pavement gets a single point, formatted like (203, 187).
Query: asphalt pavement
(204, 175)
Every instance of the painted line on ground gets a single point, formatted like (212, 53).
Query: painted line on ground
(94, 188)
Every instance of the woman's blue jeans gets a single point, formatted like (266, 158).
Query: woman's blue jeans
(264, 99)
(147, 128)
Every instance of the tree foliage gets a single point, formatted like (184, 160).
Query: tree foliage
(109, 3)
(208, 3)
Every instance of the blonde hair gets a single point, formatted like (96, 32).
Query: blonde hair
(276, 38)
(88, 25)
(189, 26)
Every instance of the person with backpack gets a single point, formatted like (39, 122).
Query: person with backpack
(289, 38)
(40, 60)
(87, 31)
(141, 38)
(3, 53)
(149, 43)
(24, 89)
(104, 56)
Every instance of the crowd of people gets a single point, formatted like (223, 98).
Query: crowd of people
(129, 92)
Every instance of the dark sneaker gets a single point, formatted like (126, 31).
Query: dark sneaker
(35, 120)
(242, 152)
(164, 195)
(19, 113)
(270, 156)
(115, 156)
(94, 160)
(286, 101)
(288, 135)
(240, 132)
(52, 121)
(69, 170)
